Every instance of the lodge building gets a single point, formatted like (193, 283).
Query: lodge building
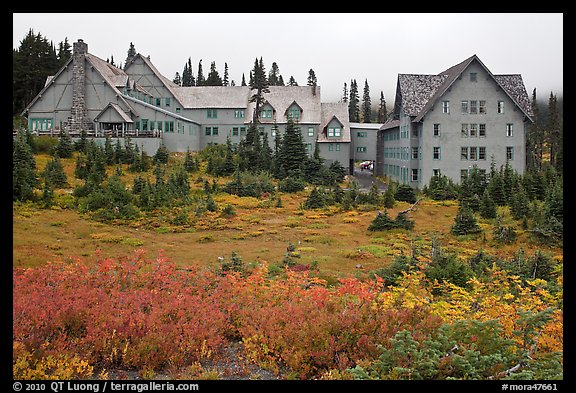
(441, 124)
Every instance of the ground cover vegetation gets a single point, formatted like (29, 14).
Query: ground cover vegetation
(159, 265)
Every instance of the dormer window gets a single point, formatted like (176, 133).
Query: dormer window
(473, 77)
(266, 114)
(334, 132)
(294, 114)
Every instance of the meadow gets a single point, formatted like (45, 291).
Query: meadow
(110, 270)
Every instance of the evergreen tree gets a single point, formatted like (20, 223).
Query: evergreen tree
(243, 83)
(554, 130)
(33, 61)
(465, 222)
(259, 83)
(265, 157)
(292, 81)
(344, 93)
(382, 222)
(109, 151)
(190, 163)
(533, 148)
(487, 206)
(213, 78)
(161, 155)
(200, 80)
(47, 194)
(225, 81)
(23, 170)
(353, 103)
(519, 203)
(54, 173)
(366, 104)
(316, 199)
(229, 166)
(293, 152)
(382, 111)
(65, 53)
(274, 75)
(131, 53)
(65, 147)
(405, 193)
(312, 80)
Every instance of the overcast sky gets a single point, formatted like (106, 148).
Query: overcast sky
(339, 47)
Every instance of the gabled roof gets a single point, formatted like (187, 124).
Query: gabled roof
(113, 76)
(171, 86)
(114, 107)
(282, 97)
(212, 96)
(418, 93)
(334, 111)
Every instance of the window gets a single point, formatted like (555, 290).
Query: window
(308, 147)
(294, 114)
(211, 130)
(464, 153)
(310, 131)
(482, 130)
(473, 107)
(414, 174)
(144, 124)
(473, 77)
(482, 107)
(274, 130)
(242, 131)
(463, 174)
(464, 106)
(415, 153)
(337, 147)
(239, 113)
(212, 113)
(473, 130)
(234, 131)
(510, 153)
(509, 129)
(500, 107)
(334, 132)
(266, 114)
(445, 106)
(464, 132)
(436, 131)
(361, 149)
(436, 172)
(167, 102)
(436, 153)
(330, 147)
(362, 134)
(473, 153)
(177, 110)
(168, 126)
(157, 101)
(482, 153)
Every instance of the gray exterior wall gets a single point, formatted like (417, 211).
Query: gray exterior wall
(364, 137)
(451, 141)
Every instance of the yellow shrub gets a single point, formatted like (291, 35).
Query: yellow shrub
(61, 366)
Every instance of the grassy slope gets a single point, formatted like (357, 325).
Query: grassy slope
(338, 241)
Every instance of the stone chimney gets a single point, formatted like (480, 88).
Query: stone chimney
(79, 120)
